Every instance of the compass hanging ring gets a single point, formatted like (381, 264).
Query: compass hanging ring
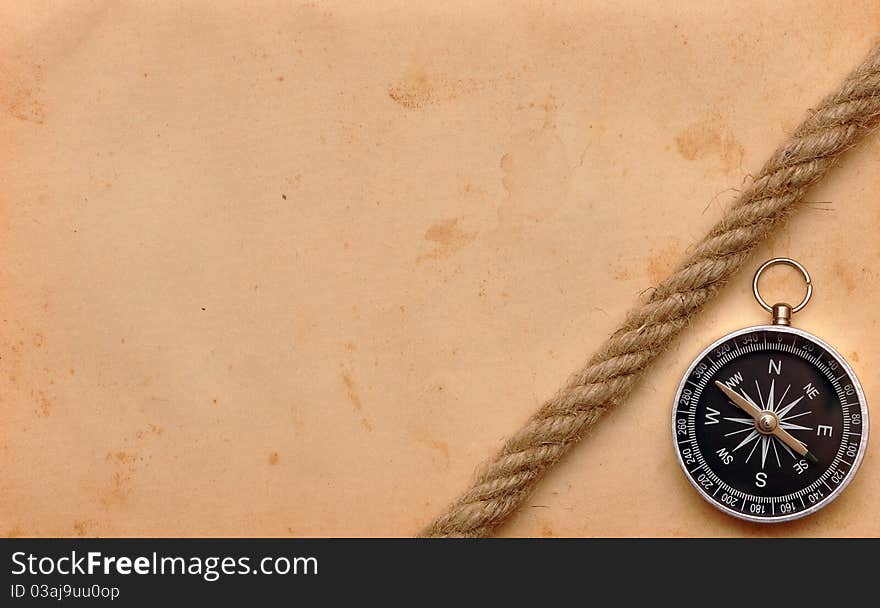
(781, 311)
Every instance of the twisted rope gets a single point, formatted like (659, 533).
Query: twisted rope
(838, 123)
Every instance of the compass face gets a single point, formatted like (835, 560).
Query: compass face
(794, 439)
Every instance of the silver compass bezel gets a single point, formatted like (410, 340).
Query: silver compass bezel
(863, 442)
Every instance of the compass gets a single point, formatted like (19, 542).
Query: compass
(770, 423)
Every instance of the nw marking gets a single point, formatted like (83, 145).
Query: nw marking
(734, 380)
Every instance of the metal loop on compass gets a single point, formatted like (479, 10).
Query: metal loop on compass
(786, 262)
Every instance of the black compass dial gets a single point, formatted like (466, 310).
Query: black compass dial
(784, 434)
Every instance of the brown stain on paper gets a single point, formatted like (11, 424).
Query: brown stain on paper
(663, 260)
(15, 532)
(448, 237)
(443, 448)
(418, 89)
(347, 375)
(350, 388)
(21, 86)
(44, 405)
(124, 468)
(81, 528)
(708, 138)
(273, 458)
(660, 263)
(848, 277)
(125, 465)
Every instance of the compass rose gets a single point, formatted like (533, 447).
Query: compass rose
(785, 414)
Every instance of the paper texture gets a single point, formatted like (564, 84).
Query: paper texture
(272, 269)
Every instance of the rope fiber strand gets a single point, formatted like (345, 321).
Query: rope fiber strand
(836, 124)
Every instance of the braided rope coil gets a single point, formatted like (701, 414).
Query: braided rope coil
(838, 123)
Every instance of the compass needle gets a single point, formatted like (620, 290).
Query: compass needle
(817, 415)
(788, 449)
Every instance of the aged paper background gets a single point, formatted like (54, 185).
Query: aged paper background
(295, 269)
